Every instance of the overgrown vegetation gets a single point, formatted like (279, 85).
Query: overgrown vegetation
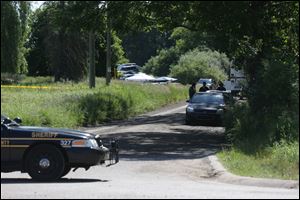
(281, 161)
(71, 105)
(161, 64)
(252, 133)
(195, 64)
(264, 145)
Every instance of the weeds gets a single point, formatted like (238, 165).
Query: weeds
(71, 105)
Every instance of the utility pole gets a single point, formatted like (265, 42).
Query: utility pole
(92, 83)
(108, 47)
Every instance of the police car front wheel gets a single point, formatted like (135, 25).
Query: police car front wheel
(45, 163)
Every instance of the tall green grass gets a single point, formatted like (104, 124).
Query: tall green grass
(72, 105)
(264, 144)
(281, 161)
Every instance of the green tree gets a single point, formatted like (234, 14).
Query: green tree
(142, 45)
(161, 64)
(14, 31)
(184, 41)
(63, 51)
(55, 48)
(195, 64)
(118, 53)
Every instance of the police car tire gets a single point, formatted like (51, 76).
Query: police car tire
(50, 152)
(66, 171)
(187, 121)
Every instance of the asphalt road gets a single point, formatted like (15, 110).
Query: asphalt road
(160, 157)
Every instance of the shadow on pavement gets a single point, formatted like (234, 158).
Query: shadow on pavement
(144, 120)
(63, 180)
(180, 143)
(170, 119)
(174, 140)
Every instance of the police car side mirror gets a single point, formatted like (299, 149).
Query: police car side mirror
(188, 101)
(18, 120)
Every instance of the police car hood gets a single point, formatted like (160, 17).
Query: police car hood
(61, 132)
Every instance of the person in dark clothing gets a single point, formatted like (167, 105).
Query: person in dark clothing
(221, 87)
(204, 88)
(192, 90)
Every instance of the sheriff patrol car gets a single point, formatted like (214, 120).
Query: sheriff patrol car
(47, 154)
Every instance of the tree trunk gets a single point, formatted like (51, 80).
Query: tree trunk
(92, 83)
(108, 53)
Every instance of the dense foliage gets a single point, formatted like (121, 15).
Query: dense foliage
(14, 33)
(161, 64)
(139, 46)
(62, 50)
(195, 64)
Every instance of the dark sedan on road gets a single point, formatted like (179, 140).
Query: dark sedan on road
(206, 107)
(47, 154)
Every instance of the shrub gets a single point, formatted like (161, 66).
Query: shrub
(252, 132)
(160, 65)
(196, 64)
(102, 106)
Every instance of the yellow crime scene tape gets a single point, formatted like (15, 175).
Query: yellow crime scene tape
(27, 87)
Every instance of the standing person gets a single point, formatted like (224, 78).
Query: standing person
(192, 90)
(204, 88)
(221, 87)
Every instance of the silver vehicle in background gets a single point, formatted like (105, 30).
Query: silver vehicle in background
(127, 70)
(209, 82)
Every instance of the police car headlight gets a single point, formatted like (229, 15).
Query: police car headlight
(190, 109)
(91, 143)
(220, 111)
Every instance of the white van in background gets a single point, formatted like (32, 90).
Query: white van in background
(236, 81)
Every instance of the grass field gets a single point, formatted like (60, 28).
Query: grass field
(70, 105)
(280, 162)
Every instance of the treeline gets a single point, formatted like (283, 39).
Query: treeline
(55, 38)
(14, 34)
(171, 37)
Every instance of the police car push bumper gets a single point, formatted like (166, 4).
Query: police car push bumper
(88, 152)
